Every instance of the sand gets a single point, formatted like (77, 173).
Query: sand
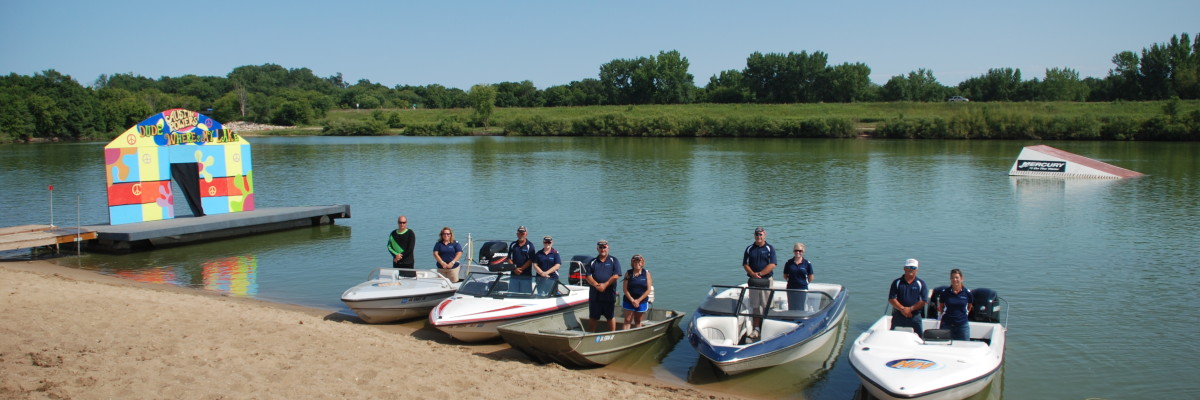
(74, 334)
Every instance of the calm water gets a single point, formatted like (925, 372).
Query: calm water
(1098, 273)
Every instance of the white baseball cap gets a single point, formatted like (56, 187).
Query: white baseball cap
(912, 262)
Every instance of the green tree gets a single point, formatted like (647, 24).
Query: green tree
(483, 100)
(919, 85)
(847, 83)
(1062, 84)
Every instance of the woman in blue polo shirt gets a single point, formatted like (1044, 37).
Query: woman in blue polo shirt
(637, 291)
(954, 306)
(798, 272)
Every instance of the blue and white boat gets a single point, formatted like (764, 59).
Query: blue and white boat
(722, 329)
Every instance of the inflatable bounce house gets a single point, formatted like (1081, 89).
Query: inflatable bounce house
(210, 164)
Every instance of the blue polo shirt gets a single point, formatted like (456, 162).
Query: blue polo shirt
(545, 261)
(520, 254)
(601, 271)
(446, 251)
(758, 257)
(797, 274)
(956, 306)
(908, 293)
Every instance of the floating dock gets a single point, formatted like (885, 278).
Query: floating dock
(31, 236)
(124, 238)
(1046, 161)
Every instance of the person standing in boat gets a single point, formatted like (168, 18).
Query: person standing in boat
(954, 304)
(446, 252)
(520, 253)
(401, 244)
(545, 265)
(637, 292)
(798, 272)
(759, 262)
(601, 275)
(907, 297)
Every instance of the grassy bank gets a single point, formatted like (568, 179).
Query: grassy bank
(1158, 120)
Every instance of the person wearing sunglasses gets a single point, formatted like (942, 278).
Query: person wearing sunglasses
(447, 252)
(907, 297)
(400, 244)
(602, 273)
(546, 264)
(798, 272)
(759, 261)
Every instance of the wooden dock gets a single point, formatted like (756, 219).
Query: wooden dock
(31, 236)
(183, 230)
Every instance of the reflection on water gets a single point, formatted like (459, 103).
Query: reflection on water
(788, 380)
(688, 205)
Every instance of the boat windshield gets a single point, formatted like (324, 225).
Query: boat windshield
(492, 284)
(783, 304)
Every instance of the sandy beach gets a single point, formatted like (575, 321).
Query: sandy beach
(74, 334)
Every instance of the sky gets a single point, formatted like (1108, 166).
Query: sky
(462, 43)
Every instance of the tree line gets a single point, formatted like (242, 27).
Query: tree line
(50, 104)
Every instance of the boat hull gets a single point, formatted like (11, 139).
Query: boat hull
(784, 340)
(486, 327)
(899, 365)
(387, 297)
(560, 337)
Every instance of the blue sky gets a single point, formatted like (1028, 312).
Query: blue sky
(462, 43)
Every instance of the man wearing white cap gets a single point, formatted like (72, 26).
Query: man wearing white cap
(907, 297)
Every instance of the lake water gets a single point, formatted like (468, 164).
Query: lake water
(1098, 273)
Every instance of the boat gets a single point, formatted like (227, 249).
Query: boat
(721, 327)
(388, 297)
(560, 337)
(898, 364)
(486, 300)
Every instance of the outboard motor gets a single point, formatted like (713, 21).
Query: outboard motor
(489, 249)
(932, 306)
(986, 307)
(575, 273)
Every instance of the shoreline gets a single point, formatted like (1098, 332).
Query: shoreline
(73, 333)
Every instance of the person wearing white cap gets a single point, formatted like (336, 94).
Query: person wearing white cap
(521, 253)
(907, 297)
(601, 274)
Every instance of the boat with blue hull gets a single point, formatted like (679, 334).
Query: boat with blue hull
(794, 324)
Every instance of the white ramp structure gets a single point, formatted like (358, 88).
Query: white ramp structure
(1046, 161)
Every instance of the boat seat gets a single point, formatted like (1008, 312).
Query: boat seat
(937, 335)
(720, 331)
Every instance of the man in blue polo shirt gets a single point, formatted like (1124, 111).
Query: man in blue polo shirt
(759, 261)
(520, 253)
(907, 297)
(602, 274)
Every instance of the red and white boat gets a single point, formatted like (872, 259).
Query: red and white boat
(487, 300)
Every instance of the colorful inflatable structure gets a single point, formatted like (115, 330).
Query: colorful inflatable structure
(210, 164)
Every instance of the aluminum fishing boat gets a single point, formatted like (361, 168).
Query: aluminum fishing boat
(722, 329)
(560, 337)
(487, 300)
(898, 364)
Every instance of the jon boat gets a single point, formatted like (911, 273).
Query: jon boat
(388, 297)
(898, 364)
(720, 328)
(561, 337)
(487, 300)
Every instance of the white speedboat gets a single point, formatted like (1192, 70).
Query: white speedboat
(487, 300)
(898, 364)
(721, 329)
(387, 296)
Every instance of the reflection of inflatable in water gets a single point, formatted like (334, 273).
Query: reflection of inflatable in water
(237, 275)
(784, 380)
(156, 275)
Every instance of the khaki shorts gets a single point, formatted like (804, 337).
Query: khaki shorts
(451, 274)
